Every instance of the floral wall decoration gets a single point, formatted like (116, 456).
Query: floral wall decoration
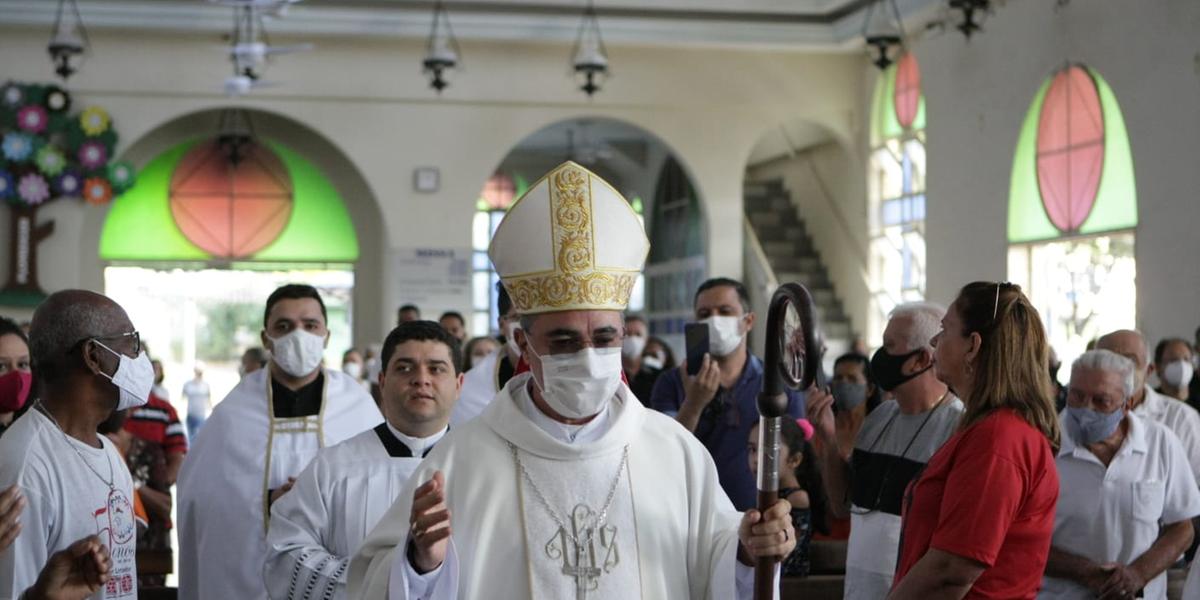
(48, 151)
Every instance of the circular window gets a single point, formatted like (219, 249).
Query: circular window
(231, 200)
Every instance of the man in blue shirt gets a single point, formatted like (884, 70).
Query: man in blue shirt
(719, 404)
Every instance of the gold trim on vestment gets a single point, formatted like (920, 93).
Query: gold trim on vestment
(305, 425)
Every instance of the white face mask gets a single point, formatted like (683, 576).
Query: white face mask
(134, 378)
(632, 346)
(298, 353)
(374, 367)
(579, 385)
(354, 370)
(1178, 374)
(724, 334)
(510, 337)
(652, 362)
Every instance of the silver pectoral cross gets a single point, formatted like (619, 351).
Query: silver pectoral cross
(581, 544)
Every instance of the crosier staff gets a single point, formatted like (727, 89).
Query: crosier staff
(792, 359)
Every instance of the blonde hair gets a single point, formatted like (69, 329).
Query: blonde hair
(1012, 366)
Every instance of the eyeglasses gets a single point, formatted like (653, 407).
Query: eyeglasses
(137, 340)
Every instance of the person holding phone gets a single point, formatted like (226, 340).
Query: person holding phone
(714, 393)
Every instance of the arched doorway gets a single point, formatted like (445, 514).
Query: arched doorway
(650, 176)
(230, 204)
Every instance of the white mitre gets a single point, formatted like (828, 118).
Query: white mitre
(572, 242)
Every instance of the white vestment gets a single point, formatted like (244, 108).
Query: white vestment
(318, 526)
(480, 386)
(671, 531)
(241, 454)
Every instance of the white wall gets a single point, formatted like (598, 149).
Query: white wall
(368, 99)
(977, 95)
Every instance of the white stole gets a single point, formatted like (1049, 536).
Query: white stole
(241, 453)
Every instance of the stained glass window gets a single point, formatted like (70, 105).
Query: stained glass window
(896, 188)
(1072, 211)
(145, 225)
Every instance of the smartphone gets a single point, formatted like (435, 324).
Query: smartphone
(695, 337)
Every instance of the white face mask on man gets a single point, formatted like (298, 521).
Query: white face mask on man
(134, 378)
(724, 334)
(298, 353)
(632, 346)
(579, 385)
(1178, 374)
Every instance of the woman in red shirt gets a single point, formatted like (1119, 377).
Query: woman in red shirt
(977, 523)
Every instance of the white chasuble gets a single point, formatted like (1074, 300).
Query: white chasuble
(322, 522)
(671, 531)
(241, 454)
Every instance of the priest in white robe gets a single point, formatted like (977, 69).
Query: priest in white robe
(254, 445)
(486, 379)
(337, 500)
(566, 487)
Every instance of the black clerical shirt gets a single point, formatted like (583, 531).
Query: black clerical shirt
(303, 402)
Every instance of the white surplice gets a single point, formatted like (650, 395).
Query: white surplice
(671, 531)
(318, 526)
(242, 452)
(480, 386)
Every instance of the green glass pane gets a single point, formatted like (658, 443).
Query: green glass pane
(1027, 220)
(1116, 199)
(320, 229)
(140, 226)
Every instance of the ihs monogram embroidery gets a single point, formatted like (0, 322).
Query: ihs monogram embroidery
(586, 553)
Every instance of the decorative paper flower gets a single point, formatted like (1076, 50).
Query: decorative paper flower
(6, 185)
(92, 155)
(11, 95)
(50, 161)
(17, 146)
(94, 120)
(57, 99)
(121, 176)
(33, 189)
(33, 118)
(69, 184)
(97, 191)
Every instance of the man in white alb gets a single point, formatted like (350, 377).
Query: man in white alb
(485, 379)
(89, 362)
(318, 526)
(254, 445)
(566, 486)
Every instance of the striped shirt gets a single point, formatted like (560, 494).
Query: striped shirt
(158, 423)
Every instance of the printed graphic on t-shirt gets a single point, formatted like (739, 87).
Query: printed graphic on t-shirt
(117, 529)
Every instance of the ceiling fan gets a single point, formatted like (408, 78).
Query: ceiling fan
(249, 48)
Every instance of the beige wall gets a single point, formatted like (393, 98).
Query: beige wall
(368, 104)
(977, 95)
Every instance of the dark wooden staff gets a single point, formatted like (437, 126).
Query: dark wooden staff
(792, 359)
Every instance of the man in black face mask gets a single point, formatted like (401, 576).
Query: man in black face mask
(895, 442)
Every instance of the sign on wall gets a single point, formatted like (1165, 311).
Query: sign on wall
(434, 279)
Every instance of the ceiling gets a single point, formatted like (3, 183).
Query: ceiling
(779, 24)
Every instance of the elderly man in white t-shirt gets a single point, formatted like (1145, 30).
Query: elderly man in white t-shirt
(1127, 497)
(1181, 419)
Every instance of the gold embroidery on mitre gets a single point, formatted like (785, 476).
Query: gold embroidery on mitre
(576, 283)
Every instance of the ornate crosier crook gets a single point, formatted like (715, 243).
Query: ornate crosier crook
(792, 359)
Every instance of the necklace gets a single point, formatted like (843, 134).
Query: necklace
(111, 473)
(895, 459)
(583, 575)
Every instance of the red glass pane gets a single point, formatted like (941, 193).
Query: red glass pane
(231, 210)
(1070, 148)
(498, 191)
(907, 97)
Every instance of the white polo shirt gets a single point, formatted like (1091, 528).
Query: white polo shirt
(1181, 419)
(1114, 514)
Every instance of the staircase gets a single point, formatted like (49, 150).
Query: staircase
(791, 254)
